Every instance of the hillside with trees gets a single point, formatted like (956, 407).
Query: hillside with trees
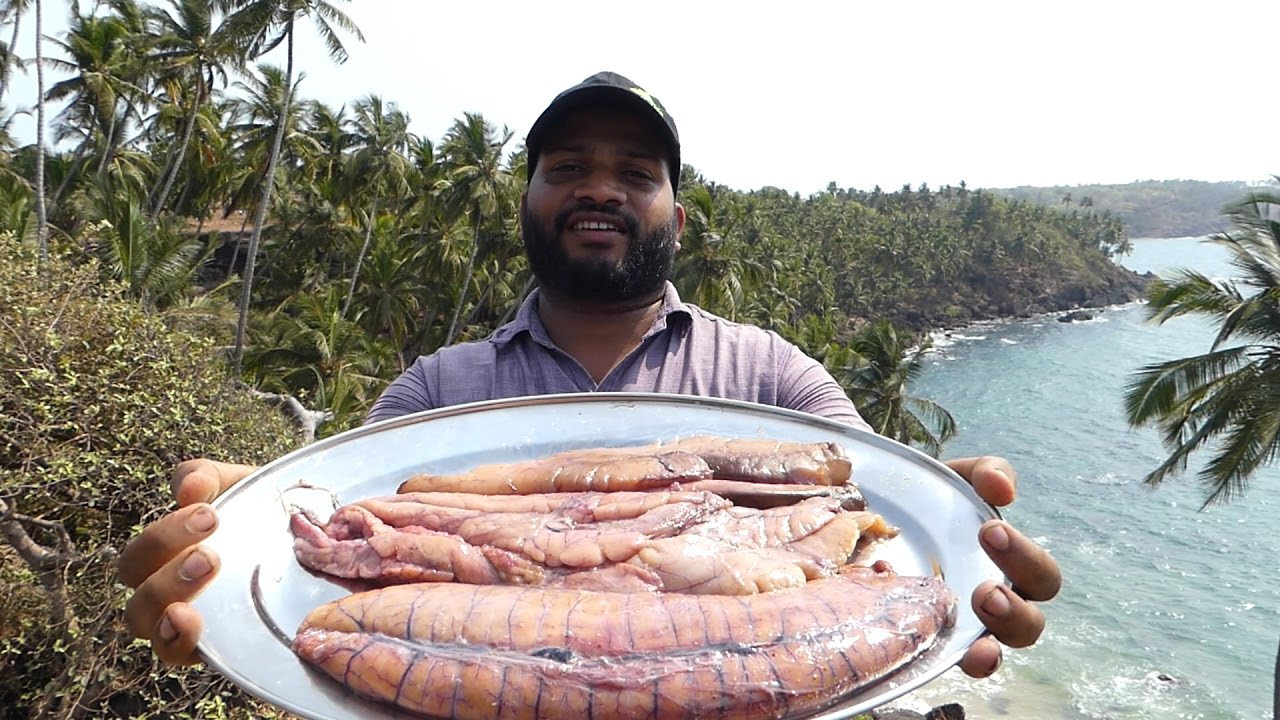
(1148, 209)
(920, 257)
(195, 237)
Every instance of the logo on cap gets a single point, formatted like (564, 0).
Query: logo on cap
(653, 101)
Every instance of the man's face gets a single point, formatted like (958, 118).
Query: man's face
(599, 220)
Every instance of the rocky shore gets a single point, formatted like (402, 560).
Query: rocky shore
(950, 711)
(1035, 292)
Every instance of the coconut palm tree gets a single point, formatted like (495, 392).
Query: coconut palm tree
(269, 23)
(712, 268)
(11, 11)
(329, 128)
(256, 113)
(381, 135)
(104, 87)
(42, 217)
(389, 302)
(155, 261)
(188, 46)
(1228, 398)
(307, 349)
(17, 215)
(209, 171)
(877, 377)
(478, 186)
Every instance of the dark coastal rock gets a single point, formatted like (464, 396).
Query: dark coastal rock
(1076, 316)
(950, 711)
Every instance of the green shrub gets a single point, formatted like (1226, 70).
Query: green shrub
(99, 399)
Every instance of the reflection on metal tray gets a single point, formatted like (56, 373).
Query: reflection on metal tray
(261, 595)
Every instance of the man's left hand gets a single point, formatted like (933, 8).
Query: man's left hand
(1009, 613)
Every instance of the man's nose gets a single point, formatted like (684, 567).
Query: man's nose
(601, 188)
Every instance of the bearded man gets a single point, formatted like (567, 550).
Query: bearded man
(601, 225)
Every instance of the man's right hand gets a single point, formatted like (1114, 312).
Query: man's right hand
(168, 568)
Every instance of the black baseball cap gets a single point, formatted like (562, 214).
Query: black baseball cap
(600, 88)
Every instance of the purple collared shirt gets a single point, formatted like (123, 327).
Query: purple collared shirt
(687, 351)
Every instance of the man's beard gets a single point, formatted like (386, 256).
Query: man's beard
(640, 274)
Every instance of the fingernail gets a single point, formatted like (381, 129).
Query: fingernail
(995, 666)
(997, 537)
(167, 631)
(996, 604)
(201, 521)
(196, 566)
(1013, 486)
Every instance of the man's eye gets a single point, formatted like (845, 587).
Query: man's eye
(640, 175)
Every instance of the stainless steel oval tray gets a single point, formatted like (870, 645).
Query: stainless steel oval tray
(253, 607)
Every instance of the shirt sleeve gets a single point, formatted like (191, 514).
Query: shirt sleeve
(805, 385)
(407, 394)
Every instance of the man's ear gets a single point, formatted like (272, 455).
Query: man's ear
(680, 218)
(524, 201)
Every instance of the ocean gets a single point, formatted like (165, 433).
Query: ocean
(1167, 610)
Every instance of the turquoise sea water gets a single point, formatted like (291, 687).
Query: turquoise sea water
(1154, 586)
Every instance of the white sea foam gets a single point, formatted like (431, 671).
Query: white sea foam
(1139, 693)
(1108, 478)
(939, 339)
(1095, 548)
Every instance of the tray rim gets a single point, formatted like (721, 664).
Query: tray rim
(940, 471)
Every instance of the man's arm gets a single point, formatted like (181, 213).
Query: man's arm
(408, 393)
(805, 385)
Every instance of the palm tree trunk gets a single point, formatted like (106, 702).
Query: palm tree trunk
(164, 173)
(260, 214)
(1275, 690)
(231, 269)
(417, 344)
(181, 152)
(480, 301)
(13, 41)
(42, 219)
(185, 196)
(72, 170)
(368, 236)
(114, 143)
(109, 146)
(515, 306)
(466, 281)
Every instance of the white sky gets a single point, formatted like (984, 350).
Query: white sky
(795, 94)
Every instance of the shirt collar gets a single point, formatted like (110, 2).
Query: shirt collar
(528, 321)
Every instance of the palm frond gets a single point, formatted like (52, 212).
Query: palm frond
(1157, 390)
(1252, 443)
